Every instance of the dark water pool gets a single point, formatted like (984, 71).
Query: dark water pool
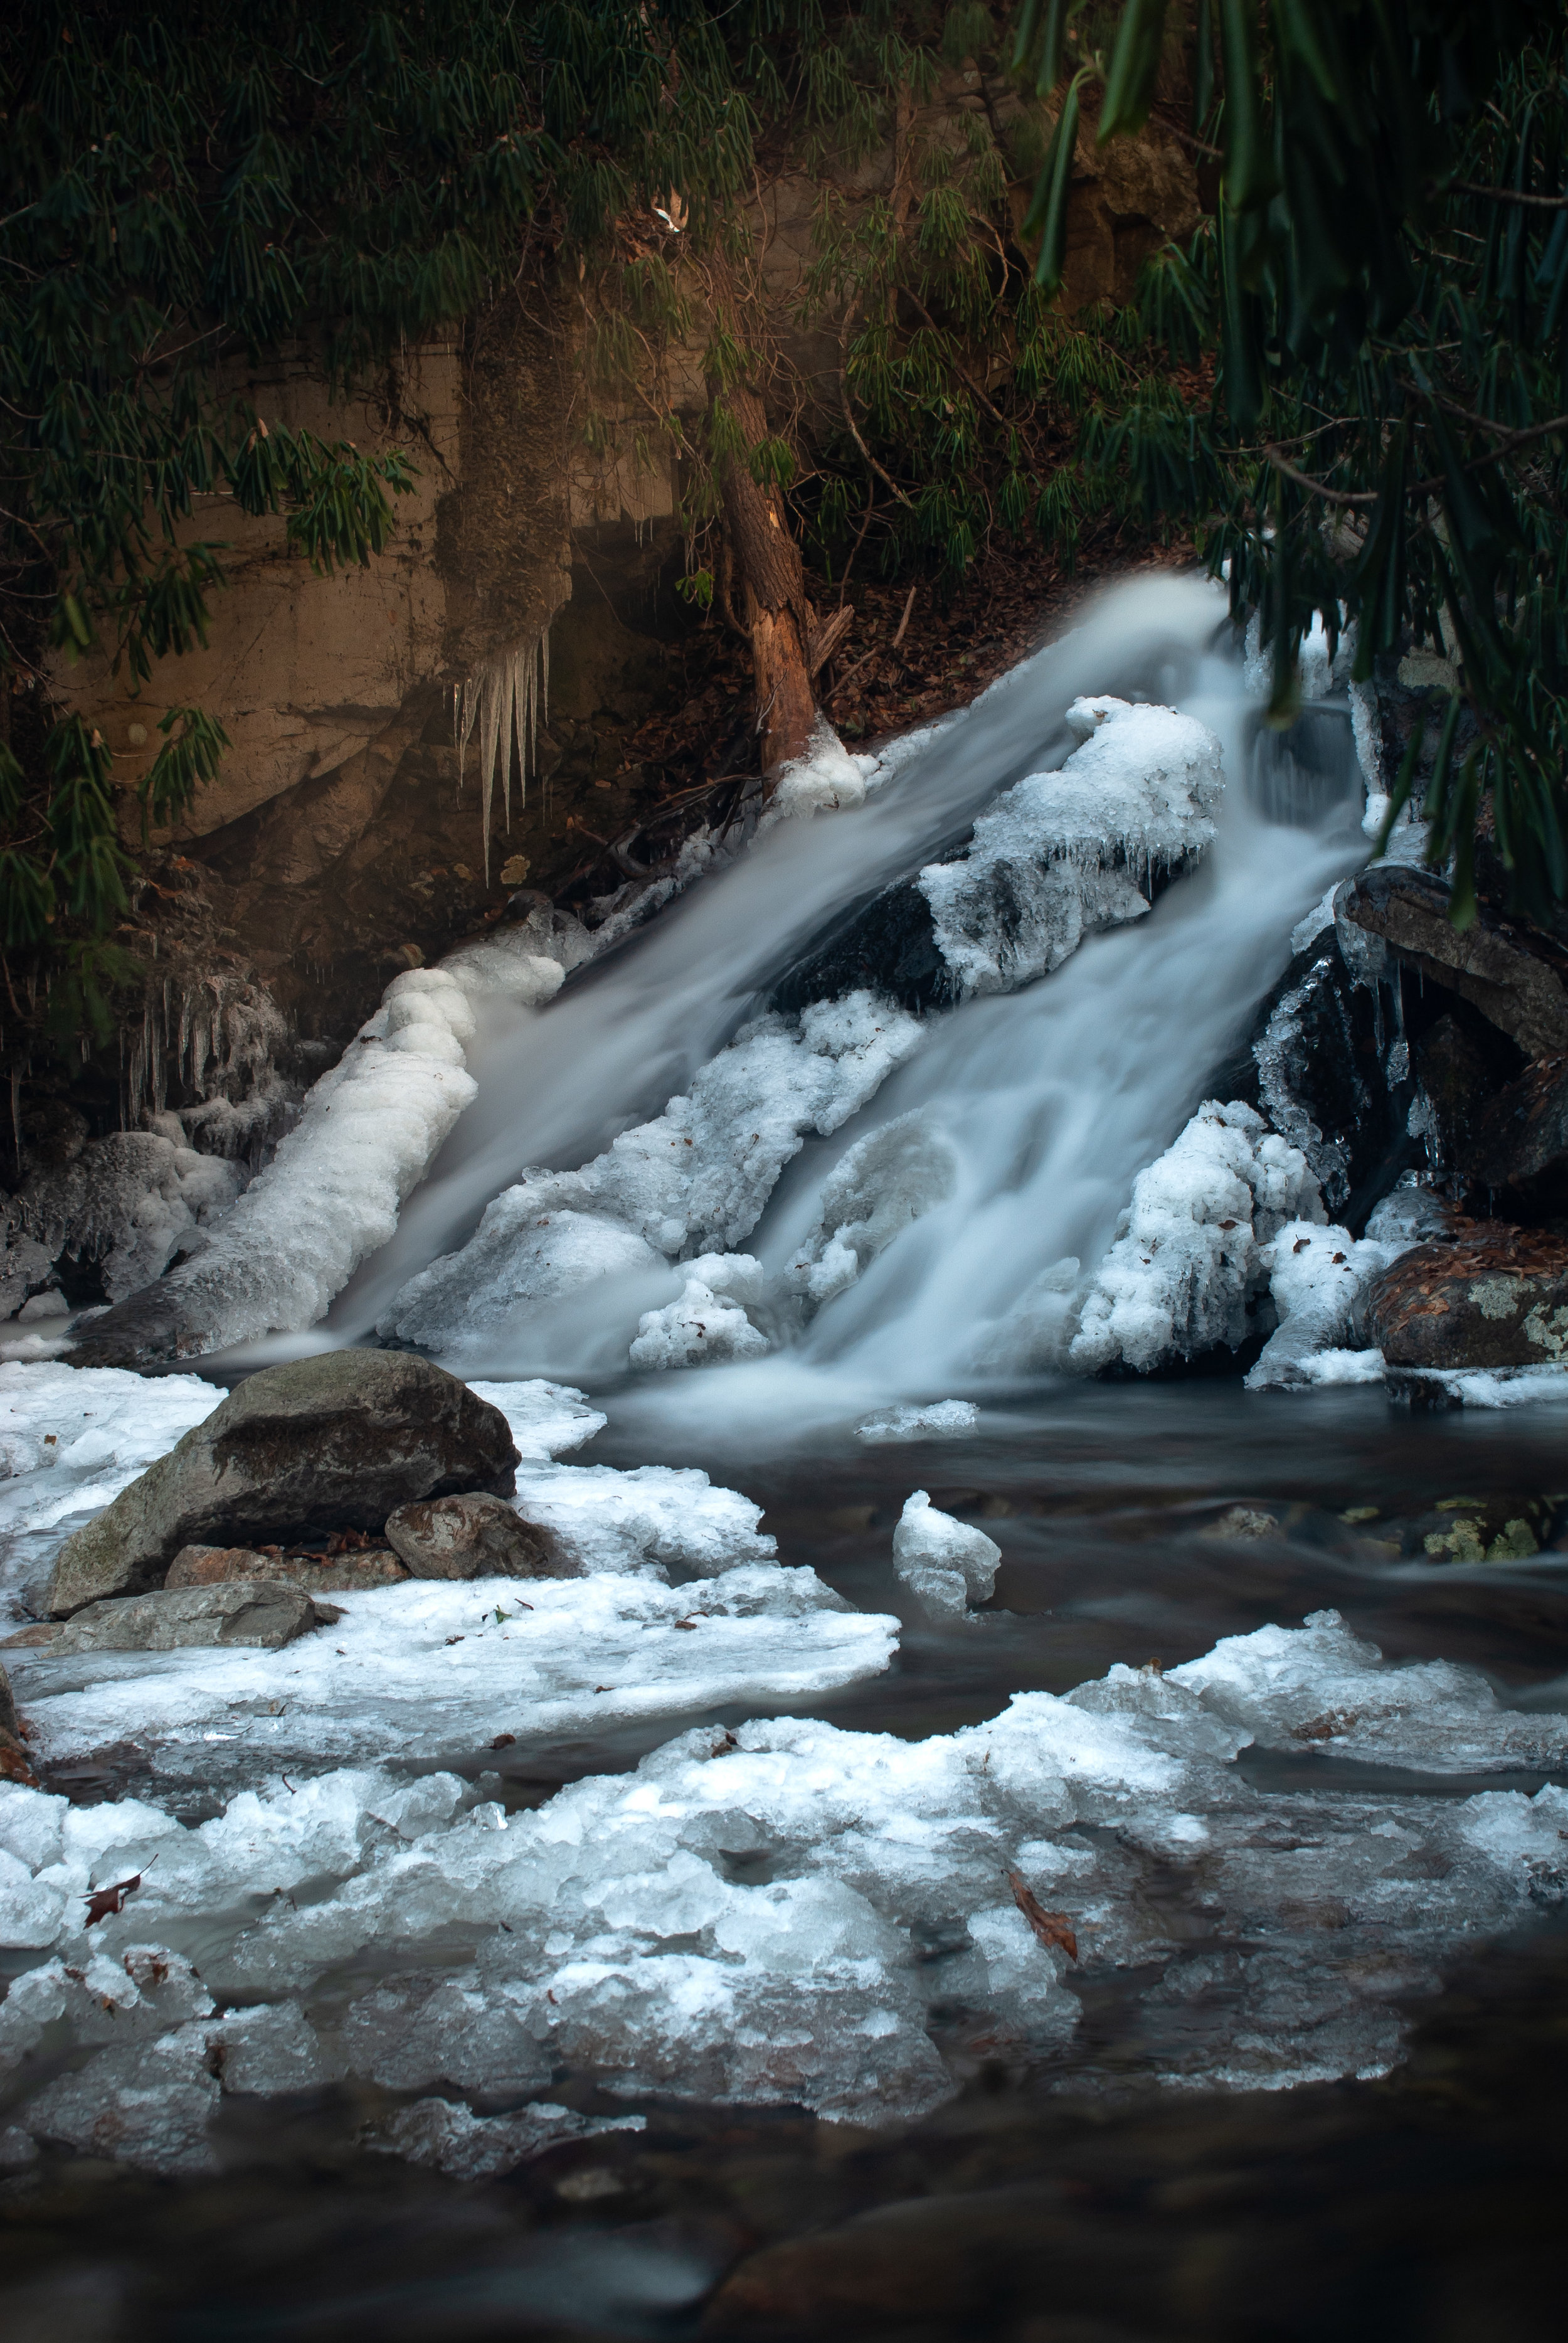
(1080, 2207)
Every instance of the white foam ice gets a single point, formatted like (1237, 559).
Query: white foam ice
(1495, 1387)
(1059, 854)
(1188, 1264)
(789, 1912)
(828, 778)
(947, 1564)
(693, 1181)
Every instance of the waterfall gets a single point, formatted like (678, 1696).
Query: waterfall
(1039, 1106)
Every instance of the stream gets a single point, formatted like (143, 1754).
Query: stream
(1386, 2158)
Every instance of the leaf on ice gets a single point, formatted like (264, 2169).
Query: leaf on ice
(1052, 1928)
(102, 1902)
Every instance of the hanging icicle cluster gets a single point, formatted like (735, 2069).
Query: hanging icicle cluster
(507, 698)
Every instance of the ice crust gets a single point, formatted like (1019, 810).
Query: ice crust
(449, 2136)
(430, 1670)
(946, 1564)
(784, 1912)
(1190, 1263)
(692, 1181)
(1059, 854)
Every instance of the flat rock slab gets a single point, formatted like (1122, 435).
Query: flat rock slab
(255, 1612)
(472, 1537)
(337, 1442)
(1496, 1300)
(344, 1574)
(1515, 977)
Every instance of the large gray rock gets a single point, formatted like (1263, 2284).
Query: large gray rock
(182, 1618)
(336, 1441)
(471, 1537)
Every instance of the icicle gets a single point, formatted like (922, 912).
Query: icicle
(508, 696)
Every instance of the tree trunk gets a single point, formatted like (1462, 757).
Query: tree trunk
(773, 609)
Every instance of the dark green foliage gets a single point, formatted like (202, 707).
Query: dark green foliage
(1386, 283)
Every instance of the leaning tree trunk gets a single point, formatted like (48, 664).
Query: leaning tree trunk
(788, 646)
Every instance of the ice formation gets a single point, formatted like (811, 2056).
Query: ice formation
(449, 2136)
(943, 1419)
(694, 1180)
(128, 1202)
(1060, 854)
(946, 1564)
(784, 1912)
(827, 780)
(1316, 1275)
(710, 1322)
(1188, 1264)
(880, 1185)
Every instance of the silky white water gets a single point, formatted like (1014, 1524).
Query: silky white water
(1048, 1102)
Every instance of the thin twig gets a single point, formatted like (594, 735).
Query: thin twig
(904, 621)
(1510, 196)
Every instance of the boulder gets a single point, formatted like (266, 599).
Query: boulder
(335, 1442)
(341, 1574)
(471, 1537)
(1517, 978)
(1498, 1298)
(182, 1618)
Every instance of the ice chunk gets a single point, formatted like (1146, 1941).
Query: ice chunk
(946, 1564)
(1320, 1687)
(467, 2147)
(944, 1418)
(694, 1180)
(708, 1323)
(1183, 1277)
(545, 1419)
(1059, 854)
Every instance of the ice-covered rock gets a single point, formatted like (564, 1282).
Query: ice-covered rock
(1316, 1277)
(1061, 855)
(946, 1564)
(694, 1180)
(1187, 1267)
(785, 1912)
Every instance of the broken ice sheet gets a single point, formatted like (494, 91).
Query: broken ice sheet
(784, 1913)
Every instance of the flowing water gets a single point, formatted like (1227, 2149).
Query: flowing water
(1080, 2204)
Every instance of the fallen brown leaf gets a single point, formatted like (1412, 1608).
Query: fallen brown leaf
(503, 1740)
(1051, 1927)
(104, 1902)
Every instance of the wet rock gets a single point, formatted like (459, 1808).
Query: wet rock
(1243, 1521)
(1519, 1142)
(1507, 1528)
(1516, 978)
(335, 1442)
(256, 1611)
(13, 1761)
(475, 1536)
(343, 1574)
(1458, 1077)
(1496, 1299)
(886, 942)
